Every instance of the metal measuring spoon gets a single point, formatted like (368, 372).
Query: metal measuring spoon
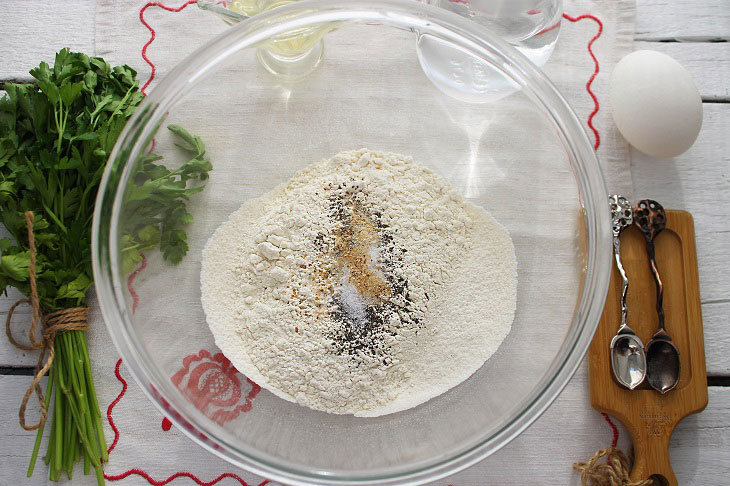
(662, 356)
(628, 361)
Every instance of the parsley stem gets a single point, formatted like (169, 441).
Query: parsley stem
(123, 101)
(58, 127)
(77, 451)
(93, 402)
(76, 414)
(79, 386)
(57, 418)
(99, 476)
(131, 247)
(55, 219)
(70, 449)
(39, 434)
(87, 463)
(67, 436)
(51, 437)
(61, 190)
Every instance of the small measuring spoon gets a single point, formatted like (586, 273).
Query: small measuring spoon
(628, 361)
(662, 356)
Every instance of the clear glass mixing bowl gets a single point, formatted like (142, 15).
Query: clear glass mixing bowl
(525, 158)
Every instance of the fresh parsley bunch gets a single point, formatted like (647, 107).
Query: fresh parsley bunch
(55, 138)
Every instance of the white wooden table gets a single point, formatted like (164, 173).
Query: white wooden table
(695, 32)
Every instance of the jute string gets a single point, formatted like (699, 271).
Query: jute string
(64, 320)
(614, 472)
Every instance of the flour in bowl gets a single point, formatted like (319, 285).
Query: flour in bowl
(363, 286)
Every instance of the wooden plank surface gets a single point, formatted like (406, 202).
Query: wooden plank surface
(16, 445)
(10, 356)
(689, 20)
(698, 181)
(707, 62)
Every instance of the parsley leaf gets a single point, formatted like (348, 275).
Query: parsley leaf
(155, 204)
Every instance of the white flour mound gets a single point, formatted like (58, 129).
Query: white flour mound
(364, 286)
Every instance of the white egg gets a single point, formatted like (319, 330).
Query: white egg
(656, 105)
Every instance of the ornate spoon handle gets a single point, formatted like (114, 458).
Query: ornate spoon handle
(651, 219)
(622, 218)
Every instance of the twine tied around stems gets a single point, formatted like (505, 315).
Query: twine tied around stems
(614, 472)
(64, 320)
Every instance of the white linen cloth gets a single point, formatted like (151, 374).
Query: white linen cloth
(143, 444)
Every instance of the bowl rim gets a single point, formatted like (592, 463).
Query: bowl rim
(394, 13)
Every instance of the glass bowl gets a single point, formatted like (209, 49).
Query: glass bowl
(524, 157)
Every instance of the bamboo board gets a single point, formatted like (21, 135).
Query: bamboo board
(649, 416)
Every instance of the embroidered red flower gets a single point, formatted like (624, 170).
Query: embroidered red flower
(213, 385)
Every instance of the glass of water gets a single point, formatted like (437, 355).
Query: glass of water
(531, 26)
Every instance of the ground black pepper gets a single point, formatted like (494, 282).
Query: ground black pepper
(386, 311)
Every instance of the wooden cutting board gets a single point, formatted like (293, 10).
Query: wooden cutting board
(649, 416)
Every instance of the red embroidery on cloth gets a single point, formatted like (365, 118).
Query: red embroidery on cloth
(113, 404)
(141, 473)
(182, 474)
(213, 385)
(614, 429)
(130, 281)
(153, 34)
(596, 104)
(596, 107)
